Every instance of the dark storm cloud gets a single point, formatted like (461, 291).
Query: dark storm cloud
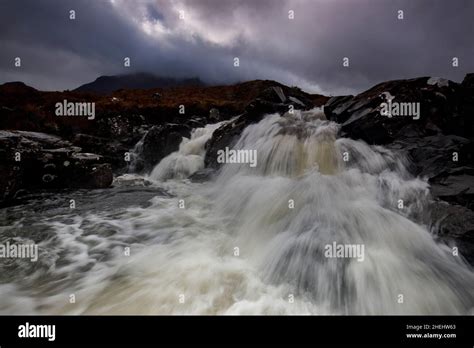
(58, 53)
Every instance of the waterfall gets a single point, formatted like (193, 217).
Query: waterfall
(320, 225)
(188, 159)
(302, 197)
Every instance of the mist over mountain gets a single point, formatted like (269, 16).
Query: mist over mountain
(306, 51)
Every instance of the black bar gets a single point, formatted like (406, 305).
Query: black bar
(224, 330)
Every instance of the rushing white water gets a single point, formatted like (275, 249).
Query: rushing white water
(252, 241)
(188, 159)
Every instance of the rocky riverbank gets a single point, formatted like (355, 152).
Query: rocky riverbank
(39, 150)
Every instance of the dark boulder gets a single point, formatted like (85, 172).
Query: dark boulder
(468, 81)
(446, 161)
(159, 142)
(335, 108)
(440, 110)
(127, 129)
(281, 97)
(258, 108)
(111, 150)
(435, 154)
(226, 135)
(273, 94)
(31, 160)
(455, 186)
(466, 108)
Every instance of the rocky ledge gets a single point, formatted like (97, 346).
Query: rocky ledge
(31, 160)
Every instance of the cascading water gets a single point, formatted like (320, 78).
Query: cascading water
(254, 239)
(347, 203)
(188, 159)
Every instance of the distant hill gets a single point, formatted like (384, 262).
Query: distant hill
(109, 84)
(25, 108)
(17, 88)
(17, 93)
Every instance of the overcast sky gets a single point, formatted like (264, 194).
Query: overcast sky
(58, 53)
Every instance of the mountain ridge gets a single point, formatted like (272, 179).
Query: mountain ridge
(107, 84)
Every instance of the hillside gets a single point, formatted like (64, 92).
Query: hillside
(23, 107)
(109, 84)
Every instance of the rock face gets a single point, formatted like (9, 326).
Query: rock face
(446, 161)
(443, 106)
(439, 142)
(31, 160)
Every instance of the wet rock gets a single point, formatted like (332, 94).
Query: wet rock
(455, 188)
(228, 134)
(280, 94)
(447, 161)
(125, 128)
(111, 150)
(202, 175)
(273, 94)
(335, 108)
(255, 110)
(214, 115)
(100, 176)
(434, 155)
(440, 101)
(297, 101)
(454, 224)
(31, 160)
(160, 141)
